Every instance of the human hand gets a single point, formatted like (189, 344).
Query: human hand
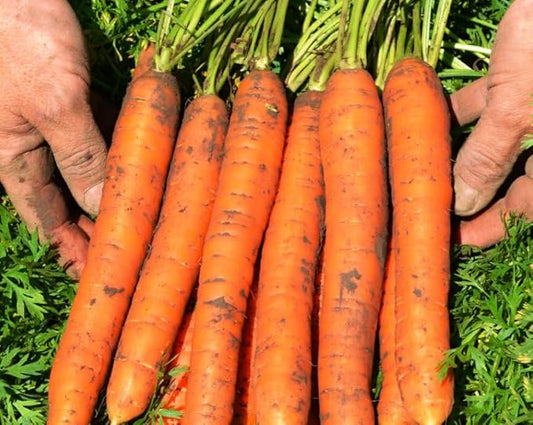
(45, 92)
(503, 102)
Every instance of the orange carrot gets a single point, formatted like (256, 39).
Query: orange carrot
(137, 166)
(352, 144)
(145, 62)
(174, 396)
(281, 384)
(420, 173)
(391, 410)
(247, 186)
(243, 406)
(314, 412)
(171, 268)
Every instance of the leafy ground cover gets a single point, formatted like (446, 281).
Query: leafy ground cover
(491, 301)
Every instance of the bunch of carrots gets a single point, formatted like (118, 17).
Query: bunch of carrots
(248, 264)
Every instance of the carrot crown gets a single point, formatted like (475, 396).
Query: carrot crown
(259, 43)
(356, 25)
(219, 56)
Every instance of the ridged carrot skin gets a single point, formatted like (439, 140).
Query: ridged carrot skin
(145, 62)
(281, 384)
(247, 187)
(391, 410)
(314, 411)
(174, 396)
(418, 129)
(137, 167)
(172, 265)
(352, 144)
(243, 406)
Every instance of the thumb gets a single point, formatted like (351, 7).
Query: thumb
(489, 153)
(78, 148)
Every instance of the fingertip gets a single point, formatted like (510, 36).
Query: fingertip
(92, 198)
(466, 198)
(72, 245)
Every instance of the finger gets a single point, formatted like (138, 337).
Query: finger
(468, 102)
(489, 153)
(85, 224)
(72, 244)
(488, 228)
(67, 124)
(27, 180)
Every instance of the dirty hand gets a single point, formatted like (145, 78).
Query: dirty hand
(46, 120)
(503, 102)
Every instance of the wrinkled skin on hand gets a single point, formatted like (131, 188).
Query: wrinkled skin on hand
(46, 121)
(503, 103)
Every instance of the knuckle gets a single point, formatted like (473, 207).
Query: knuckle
(83, 162)
(484, 165)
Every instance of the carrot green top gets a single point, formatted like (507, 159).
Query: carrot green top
(183, 27)
(312, 60)
(356, 25)
(259, 42)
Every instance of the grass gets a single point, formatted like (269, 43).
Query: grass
(491, 307)
(491, 302)
(35, 295)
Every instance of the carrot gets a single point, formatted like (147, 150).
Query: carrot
(391, 410)
(352, 146)
(247, 186)
(243, 406)
(171, 268)
(145, 62)
(314, 411)
(174, 396)
(281, 389)
(137, 166)
(420, 174)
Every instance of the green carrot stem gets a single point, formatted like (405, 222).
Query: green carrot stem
(402, 34)
(247, 49)
(384, 49)
(417, 36)
(178, 35)
(350, 58)
(482, 52)
(301, 73)
(487, 24)
(278, 27)
(370, 17)
(311, 37)
(443, 11)
(318, 39)
(323, 68)
(343, 18)
(306, 66)
(309, 16)
(427, 7)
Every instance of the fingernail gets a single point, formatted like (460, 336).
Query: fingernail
(466, 198)
(92, 198)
